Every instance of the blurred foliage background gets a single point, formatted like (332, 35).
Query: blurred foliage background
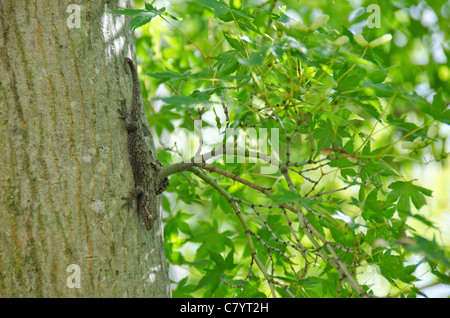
(198, 222)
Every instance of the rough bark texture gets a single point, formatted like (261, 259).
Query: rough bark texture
(63, 157)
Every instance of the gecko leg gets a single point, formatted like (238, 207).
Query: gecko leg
(134, 194)
(124, 115)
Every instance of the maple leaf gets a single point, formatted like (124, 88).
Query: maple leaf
(404, 192)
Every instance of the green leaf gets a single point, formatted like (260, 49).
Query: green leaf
(183, 290)
(424, 220)
(149, 7)
(405, 274)
(377, 76)
(218, 259)
(219, 6)
(389, 265)
(375, 168)
(323, 135)
(139, 21)
(338, 235)
(234, 42)
(432, 251)
(445, 279)
(250, 290)
(227, 67)
(438, 110)
(211, 277)
(183, 101)
(404, 192)
(168, 76)
(369, 108)
(407, 127)
(372, 206)
(128, 12)
(286, 196)
(141, 17)
(242, 14)
(255, 59)
(380, 89)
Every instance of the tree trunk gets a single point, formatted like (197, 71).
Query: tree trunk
(64, 163)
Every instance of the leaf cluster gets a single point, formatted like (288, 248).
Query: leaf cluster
(341, 203)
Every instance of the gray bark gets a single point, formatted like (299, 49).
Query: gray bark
(64, 165)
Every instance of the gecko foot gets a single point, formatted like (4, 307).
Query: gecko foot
(133, 196)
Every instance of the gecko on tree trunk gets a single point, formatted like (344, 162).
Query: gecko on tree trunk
(144, 164)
